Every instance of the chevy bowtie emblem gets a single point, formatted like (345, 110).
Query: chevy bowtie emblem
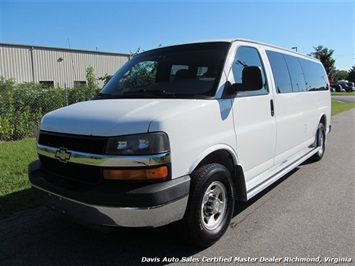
(62, 155)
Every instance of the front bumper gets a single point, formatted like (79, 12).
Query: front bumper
(113, 204)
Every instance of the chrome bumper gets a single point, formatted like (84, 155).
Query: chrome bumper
(113, 204)
(154, 216)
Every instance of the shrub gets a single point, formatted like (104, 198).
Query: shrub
(23, 105)
(81, 93)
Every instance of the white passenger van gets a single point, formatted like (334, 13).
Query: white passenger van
(182, 132)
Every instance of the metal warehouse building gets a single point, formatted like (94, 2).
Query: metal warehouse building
(55, 66)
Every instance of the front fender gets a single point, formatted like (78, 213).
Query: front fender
(204, 154)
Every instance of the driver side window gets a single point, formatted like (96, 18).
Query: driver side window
(248, 56)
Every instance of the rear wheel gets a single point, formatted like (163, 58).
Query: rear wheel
(320, 143)
(210, 207)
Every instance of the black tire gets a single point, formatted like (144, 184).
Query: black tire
(210, 206)
(320, 138)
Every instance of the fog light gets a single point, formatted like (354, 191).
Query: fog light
(136, 174)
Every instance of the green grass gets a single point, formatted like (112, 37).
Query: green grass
(338, 106)
(15, 157)
(344, 93)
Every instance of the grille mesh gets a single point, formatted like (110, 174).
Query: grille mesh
(72, 171)
(95, 145)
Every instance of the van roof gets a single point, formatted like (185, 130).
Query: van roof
(227, 40)
(246, 40)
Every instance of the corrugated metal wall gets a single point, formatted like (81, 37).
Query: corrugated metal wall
(15, 62)
(61, 66)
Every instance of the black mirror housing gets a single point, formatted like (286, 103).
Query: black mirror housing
(252, 79)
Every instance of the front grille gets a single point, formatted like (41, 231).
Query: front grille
(95, 145)
(72, 171)
(76, 172)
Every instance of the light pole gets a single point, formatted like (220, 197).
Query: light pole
(294, 48)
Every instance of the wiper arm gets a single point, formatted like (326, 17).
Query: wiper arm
(103, 96)
(147, 92)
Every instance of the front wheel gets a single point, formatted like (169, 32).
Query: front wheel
(210, 207)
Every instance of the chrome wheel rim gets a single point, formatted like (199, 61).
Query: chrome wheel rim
(214, 205)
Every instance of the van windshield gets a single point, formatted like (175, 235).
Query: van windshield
(185, 71)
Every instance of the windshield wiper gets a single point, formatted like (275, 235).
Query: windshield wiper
(150, 94)
(146, 92)
(103, 96)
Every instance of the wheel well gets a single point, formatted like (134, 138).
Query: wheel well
(224, 158)
(323, 120)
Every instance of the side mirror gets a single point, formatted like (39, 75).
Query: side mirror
(252, 79)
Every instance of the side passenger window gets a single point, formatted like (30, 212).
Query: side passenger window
(296, 72)
(248, 56)
(280, 72)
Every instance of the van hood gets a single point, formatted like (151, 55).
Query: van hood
(108, 117)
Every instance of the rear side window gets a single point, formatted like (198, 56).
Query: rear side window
(315, 76)
(293, 74)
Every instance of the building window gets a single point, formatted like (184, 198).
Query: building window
(47, 83)
(79, 83)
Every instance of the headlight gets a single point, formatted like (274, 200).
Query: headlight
(141, 144)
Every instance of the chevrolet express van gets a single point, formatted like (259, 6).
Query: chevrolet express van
(181, 133)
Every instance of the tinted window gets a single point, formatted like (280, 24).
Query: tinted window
(296, 73)
(248, 56)
(141, 74)
(176, 68)
(315, 76)
(280, 72)
(305, 75)
(186, 71)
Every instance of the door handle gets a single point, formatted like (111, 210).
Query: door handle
(272, 107)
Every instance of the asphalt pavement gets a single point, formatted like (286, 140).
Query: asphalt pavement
(344, 98)
(308, 216)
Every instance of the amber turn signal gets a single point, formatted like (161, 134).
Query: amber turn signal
(136, 174)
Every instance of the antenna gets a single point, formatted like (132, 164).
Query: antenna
(72, 61)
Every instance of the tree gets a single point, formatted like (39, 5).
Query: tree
(91, 79)
(141, 74)
(351, 76)
(325, 56)
(132, 54)
(106, 78)
(341, 75)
